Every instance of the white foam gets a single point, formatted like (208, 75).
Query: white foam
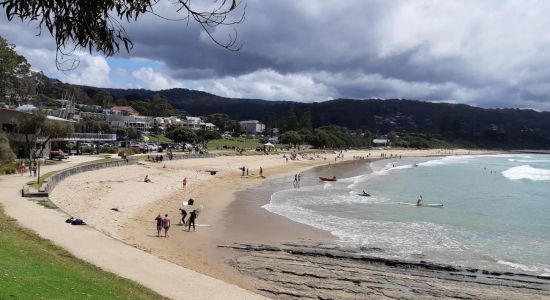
(527, 172)
(518, 266)
(447, 160)
(399, 238)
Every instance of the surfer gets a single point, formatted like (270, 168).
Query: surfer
(183, 215)
(419, 202)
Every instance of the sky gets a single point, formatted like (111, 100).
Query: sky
(483, 53)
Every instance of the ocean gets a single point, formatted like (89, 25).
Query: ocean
(495, 214)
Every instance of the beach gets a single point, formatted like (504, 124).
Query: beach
(119, 204)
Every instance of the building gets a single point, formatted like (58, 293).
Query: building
(380, 142)
(252, 126)
(123, 111)
(140, 123)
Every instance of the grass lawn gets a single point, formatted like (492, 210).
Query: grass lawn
(34, 268)
(245, 143)
(158, 138)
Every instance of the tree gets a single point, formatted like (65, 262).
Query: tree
(6, 154)
(132, 134)
(97, 25)
(182, 135)
(16, 82)
(160, 107)
(291, 137)
(38, 131)
(306, 122)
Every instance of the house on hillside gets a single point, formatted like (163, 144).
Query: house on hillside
(123, 111)
(253, 126)
(380, 142)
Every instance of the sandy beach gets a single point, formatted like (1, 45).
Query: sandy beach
(118, 203)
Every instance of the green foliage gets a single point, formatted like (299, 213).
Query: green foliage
(128, 152)
(208, 135)
(337, 137)
(420, 141)
(110, 150)
(6, 154)
(243, 143)
(87, 150)
(15, 75)
(9, 167)
(224, 123)
(291, 137)
(182, 135)
(132, 134)
(97, 25)
(34, 268)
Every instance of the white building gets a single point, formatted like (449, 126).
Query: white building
(141, 123)
(253, 126)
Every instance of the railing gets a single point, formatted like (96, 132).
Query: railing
(87, 137)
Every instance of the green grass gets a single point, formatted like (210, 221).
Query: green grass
(35, 184)
(158, 138)
(34, 268)
(245, 143)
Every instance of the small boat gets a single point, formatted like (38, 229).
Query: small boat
(327, 179)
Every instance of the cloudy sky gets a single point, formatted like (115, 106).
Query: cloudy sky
(484, 53)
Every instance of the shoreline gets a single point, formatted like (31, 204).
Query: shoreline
(197, 250)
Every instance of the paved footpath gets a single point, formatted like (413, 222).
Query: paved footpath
(166, 278)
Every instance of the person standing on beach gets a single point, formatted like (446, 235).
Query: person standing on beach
(159, 224)
(184, 182)
(261, 172)
(244, 169)
(192, 218)
(166, 224)
(183, 215)
(295, 180)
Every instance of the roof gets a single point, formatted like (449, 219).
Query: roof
(127, 109)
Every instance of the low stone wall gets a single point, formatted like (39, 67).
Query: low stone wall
(58, 177)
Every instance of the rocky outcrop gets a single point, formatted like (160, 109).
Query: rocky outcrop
(292, 271)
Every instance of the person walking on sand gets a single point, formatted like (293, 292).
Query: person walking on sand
(192, 218)
(166, 225)
(159, 224)
(184, 182)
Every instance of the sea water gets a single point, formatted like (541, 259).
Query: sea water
(496, 212)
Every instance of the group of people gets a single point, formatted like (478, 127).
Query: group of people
(33, 168)
(163, 223)
(192, 217)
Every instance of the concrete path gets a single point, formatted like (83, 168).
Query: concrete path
(166, 278)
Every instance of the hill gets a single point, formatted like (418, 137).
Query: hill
(503, 128)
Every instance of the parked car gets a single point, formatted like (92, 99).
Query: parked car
(57, 154)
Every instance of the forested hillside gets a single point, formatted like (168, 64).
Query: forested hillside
(463, 124)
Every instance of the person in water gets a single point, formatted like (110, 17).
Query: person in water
(419, 202)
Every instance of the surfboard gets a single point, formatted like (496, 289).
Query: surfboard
(423, 205)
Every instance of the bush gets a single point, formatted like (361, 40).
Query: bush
(110, 150)
(87, 150)
(128, 151)
(9, 167)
